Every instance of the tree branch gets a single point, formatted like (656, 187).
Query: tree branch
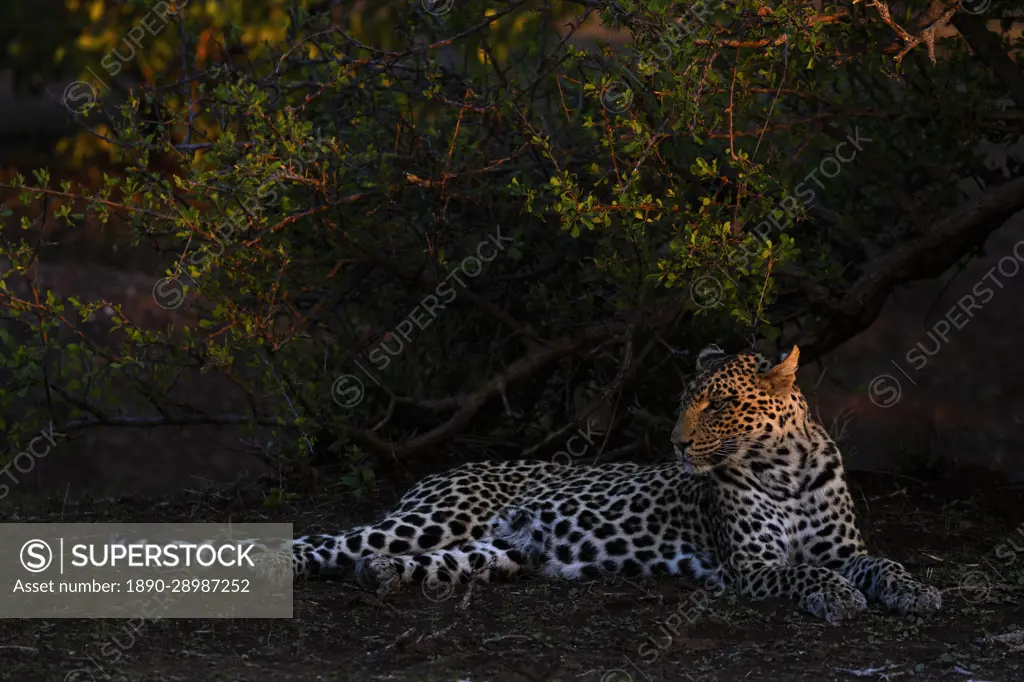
(936, 16)
(923, 258)
(989, 50)
(470, 402)
(179, 420)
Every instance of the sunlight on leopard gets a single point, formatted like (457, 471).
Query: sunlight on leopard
(755, 500)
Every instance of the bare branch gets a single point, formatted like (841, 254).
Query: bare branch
(469, 403)
(988, 48)
(928, 256)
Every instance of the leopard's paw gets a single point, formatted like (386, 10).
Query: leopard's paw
(377, 574)
(836, 605)
(912, 598)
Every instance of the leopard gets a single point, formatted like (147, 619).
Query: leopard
(755, 501)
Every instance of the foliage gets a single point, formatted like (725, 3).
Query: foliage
(325, 182)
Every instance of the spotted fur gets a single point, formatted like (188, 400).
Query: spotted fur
(756, 501)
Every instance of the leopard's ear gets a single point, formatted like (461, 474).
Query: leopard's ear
(782, 376)
(707, 355)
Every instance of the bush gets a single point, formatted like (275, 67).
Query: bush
(479, 226)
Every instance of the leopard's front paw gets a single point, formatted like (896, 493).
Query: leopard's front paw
(377, 574)
(912, 597)
(521, 530)
(836, 605)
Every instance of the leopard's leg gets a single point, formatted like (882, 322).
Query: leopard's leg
(824, 593)
(888, 582)
(511, 546)
(397, 534)
(438, 572)
(406, 533)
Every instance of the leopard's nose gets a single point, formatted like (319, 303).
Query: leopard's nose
(677, 434)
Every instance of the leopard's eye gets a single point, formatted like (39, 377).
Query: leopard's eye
(718, 405)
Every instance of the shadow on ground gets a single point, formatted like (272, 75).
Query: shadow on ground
(969, 545)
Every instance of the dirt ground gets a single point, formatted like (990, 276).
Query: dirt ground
(965, 535)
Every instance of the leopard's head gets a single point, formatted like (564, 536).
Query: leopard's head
(733, 405)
